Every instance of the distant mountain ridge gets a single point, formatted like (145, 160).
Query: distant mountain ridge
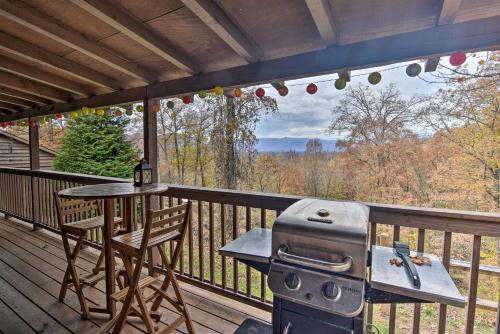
(274, 145)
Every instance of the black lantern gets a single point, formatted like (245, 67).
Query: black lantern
(143, 174)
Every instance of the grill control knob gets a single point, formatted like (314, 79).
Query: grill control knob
(323, 213)
(292, 281)
(330, 290)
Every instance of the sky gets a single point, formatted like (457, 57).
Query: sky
(304, 115)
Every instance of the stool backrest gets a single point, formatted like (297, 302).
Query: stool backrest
(171, 222)
(70, 210)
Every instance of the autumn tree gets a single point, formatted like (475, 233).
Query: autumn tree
(372, 123)
(467, 114)
(232, 134)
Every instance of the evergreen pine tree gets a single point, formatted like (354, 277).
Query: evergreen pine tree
(96, 145)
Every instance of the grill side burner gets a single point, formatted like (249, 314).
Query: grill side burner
(319, 255)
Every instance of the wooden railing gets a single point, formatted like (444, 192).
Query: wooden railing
(219, 216)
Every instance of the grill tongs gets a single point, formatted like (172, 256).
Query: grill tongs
(403, 251)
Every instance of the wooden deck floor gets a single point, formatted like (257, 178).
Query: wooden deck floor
(32, 266)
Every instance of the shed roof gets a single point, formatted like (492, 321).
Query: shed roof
(24, 141)
(60, 55)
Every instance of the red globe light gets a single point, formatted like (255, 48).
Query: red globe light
(59, 115)
(237, 92)
(458, 58)
(260, 92)
(186, 99)
(32, 125)
(312, 88)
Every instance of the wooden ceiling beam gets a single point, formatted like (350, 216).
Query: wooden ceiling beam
(10, 106)
(23, 95)
(33, 73)
(31, 87)
(4, 112)
(449, 10)
(323, 18)
(40, 56)
(447, 15)
(476, 35)
(16, 101)
(35, 20)
(221, 24)
(133, 28)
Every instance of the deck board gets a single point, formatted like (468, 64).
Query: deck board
(32, 265)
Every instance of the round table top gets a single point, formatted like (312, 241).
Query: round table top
(112, 190)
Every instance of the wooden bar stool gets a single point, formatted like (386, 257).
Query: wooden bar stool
(161, 226)
(78, 217)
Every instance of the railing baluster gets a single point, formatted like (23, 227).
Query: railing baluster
(200, 241)
(248, 223)
(446, 264)
(418, 307)
(235, 262)
(262, 277)
(373, 241)
(190, 243)
(223, 242)
(473, 281)
(212, 241)
(392, 314)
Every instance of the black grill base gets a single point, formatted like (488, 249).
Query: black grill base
(304, 319)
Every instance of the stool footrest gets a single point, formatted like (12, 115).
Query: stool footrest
(120, 295)
(92, 278)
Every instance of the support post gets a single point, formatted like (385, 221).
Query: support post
(150, 134)
(34, 148)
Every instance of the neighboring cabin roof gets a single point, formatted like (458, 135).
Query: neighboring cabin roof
(21, 140)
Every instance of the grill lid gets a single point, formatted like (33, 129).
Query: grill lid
(325, 235)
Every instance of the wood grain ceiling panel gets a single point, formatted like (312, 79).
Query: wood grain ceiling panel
(279, 27)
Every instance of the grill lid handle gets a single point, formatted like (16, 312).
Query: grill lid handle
(336, 267)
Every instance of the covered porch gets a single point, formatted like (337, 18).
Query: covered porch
(52, 61)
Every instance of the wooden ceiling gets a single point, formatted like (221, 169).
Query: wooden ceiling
(60, 55)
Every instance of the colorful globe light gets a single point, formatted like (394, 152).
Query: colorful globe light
(118, 113)
(340, 83)
(218, 90)
(47, 118)
(283, 90)
(59, 115)
(139, 108)
(74, 114)
(237, 92)
(85, 110)
(32, 124)
(481, 62)
(202, 94)
(374, 78)
(186, 99)
(128, 112)
(458, 58)
(171, 104)
(413, 70)
(312, 88)
(260, 92)
(100, 112)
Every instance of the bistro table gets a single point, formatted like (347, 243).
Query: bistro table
(109, 192)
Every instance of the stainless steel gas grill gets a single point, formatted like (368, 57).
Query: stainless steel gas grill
(319, 255)
(317, 259)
